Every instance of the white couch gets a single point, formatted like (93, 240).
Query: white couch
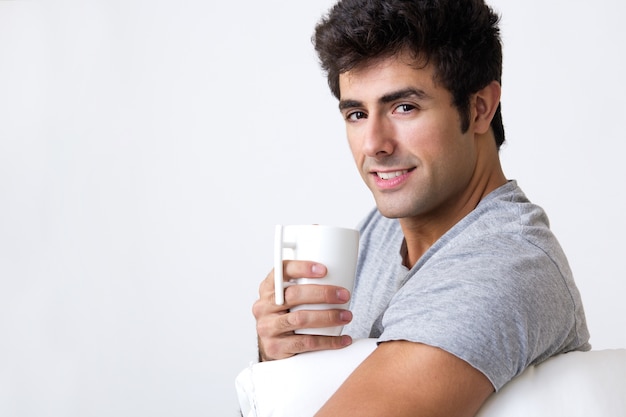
(576, 384)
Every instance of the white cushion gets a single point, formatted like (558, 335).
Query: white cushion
(589, 384)
(300, 385)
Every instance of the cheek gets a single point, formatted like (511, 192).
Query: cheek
(424, 141)
(440, 146)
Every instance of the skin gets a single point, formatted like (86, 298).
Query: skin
(275, 324)
(397, 120)
(403, 125)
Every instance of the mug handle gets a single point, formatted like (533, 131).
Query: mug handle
(279, 283)
(279, 291)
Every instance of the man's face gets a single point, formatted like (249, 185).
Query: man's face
(405, 136)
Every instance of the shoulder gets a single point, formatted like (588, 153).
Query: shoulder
(505, 222)
(496, 291)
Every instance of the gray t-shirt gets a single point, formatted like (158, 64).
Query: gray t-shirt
(495, 290)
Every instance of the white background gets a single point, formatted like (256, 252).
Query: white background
(147, 148)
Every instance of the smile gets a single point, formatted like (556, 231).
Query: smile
(391, 175)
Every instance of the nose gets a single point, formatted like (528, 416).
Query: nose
(378, 137)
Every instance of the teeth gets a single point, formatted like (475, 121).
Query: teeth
(390, 175)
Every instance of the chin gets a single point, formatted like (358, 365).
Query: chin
(399, 211)
(391, 212)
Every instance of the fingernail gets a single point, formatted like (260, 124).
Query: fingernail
(345, 316)
(346, 340)
(318, 269)
(343, 295)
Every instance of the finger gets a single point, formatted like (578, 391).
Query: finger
(309, 343)
(281, 348)
(280, 325)
(315, 294)
(265, 306)
(293, 270)
(311, 319)
(300, 269)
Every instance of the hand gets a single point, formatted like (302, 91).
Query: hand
(276, 324)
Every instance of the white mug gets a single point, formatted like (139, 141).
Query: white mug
(335, 247)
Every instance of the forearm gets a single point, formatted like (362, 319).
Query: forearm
(407, 379)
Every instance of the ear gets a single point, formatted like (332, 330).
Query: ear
(484, 105)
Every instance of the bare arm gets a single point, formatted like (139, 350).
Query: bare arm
(410, 379)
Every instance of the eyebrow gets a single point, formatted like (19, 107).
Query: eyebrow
(387, 98)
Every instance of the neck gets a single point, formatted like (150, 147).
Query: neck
(421, 232)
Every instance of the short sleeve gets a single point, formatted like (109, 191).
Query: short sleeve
(499, 303)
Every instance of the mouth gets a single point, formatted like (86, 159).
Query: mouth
(391, 180)
(391, 175)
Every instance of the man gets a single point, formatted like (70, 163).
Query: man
(459, 276)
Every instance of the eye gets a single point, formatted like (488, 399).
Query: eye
(355, 115)
(405, 108)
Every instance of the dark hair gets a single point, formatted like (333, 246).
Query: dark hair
(460, 37)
